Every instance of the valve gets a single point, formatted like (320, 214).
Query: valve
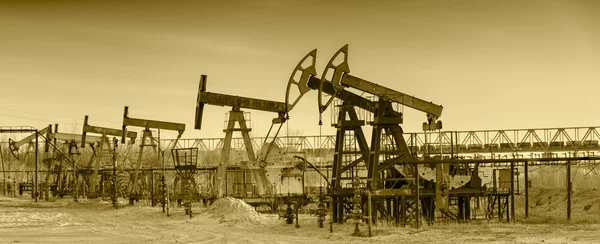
(289, 214)
(357, 214)
(321, 212)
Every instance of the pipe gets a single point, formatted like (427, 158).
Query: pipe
(315, 168)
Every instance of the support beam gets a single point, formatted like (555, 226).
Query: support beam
(417, 200)
(392, 95)
(236, 103)
(73, 137)
(353, 164)
(17, 129)
(343, 95)
(30, 138)
(569, 190)
(14, 146)
(512, 191)
(103, 131)
(36, 166)
(526, 190)
(153, 124)
(103, 146)
(225, 100)
(370, 212)
(396, 211)
(149, 124)
(504, 160)
(330, 214)
(259, 172)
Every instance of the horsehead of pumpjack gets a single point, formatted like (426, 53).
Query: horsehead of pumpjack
(339, 70)
(14, 146)
(302, 83)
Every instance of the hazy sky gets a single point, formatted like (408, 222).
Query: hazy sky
(491, 64)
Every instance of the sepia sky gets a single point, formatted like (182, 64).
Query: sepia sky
(491, 64)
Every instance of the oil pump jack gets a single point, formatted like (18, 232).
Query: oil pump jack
(31, 141)
(348, 162)
(60, 158)
(258, 165)
(67, 149)
(135, 192)
(15, 145)
(104, 155)
(388, 150)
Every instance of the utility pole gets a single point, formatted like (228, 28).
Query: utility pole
(35, 184)
(115, 199)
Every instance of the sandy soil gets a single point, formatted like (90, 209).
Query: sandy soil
(64, 221)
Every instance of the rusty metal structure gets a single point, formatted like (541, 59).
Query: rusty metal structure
(236, 115)
(482, 144)
(61, 168)
(385, 175)
(270, 157)
(387, 143)
(80, 165)
(401, 187)
(14, 146)
(79, 183)
(353, 156)
(136, 192)
(185, 160)
(103, 159)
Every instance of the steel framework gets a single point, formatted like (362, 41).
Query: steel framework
(486, 144)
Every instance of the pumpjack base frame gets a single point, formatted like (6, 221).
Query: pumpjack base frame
(386, 201)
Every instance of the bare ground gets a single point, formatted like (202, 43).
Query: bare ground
(64, 221)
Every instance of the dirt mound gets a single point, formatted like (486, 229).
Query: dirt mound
(233, 211)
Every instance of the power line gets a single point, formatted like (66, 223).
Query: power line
(64, 117)
(20, 111)
(53, 121)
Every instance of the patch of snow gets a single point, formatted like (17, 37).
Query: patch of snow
(233, 211)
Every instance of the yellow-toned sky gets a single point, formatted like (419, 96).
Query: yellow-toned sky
(491, 64)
